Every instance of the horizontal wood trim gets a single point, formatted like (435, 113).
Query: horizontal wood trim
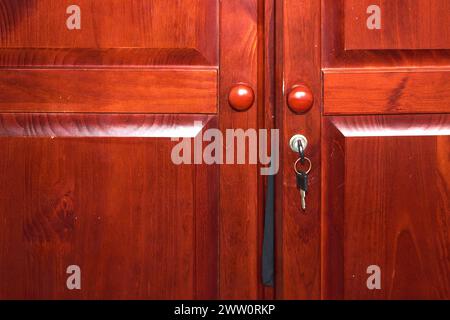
(100, 90)
(102, 125)
(386, 92)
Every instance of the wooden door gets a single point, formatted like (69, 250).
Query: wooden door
(378, 219)
(92, 94)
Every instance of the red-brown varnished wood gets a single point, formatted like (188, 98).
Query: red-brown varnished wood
(102, 125)
(93, 171)
(298, 232)
(332, 211)
(385, 182)
(239, 203)
(386, 92)
(386, 187)
(334, 54)
(106, 58)
(206, 250)
(126, 91)
(139, 226)
(405, 24)
(109, 24)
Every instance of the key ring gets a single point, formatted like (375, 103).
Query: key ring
(300, 159)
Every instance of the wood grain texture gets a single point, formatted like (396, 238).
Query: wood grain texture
(139, 226)
(386, 92)
(106, 58)
(112, 24)
(385, 182)
(298, 232)
(332, 211)
(123, 91)
(405, 24)
(334, 54)
(386, 203)
(206, 224)
(239, 209)
(102, 125)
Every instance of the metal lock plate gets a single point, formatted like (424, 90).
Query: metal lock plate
(293, 143)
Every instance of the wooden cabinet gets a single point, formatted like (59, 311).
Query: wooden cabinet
(93, 95)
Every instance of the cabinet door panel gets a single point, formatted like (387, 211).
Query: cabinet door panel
(137, 56)
(371, 50)
(386, 188)
(181, 28)
(385, 149)
(402, 24)
(105, 195)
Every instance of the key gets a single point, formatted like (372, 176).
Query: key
(302, 185)
(302, 179)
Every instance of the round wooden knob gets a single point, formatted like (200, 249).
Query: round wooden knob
(300, 99)
(241, 97)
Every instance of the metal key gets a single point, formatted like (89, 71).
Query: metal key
(302, 185)
(302, 178)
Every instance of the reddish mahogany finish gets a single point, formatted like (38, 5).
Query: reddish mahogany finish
(113, 32)
(334, 54)
(77, 125)
(101, 192)
(177, 45)
(241, 97)
(390, 91)
(365, 167)
(405, 24)
(100, 189)
(165, 90)
(300, 99)
(385, 182)
(239, 198)
(298, 232)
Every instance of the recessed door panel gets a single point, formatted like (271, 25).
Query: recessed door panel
(386, 206)
(87, 29)
(385, 183)
(59, 57)
(104, 195)
(397, 24)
